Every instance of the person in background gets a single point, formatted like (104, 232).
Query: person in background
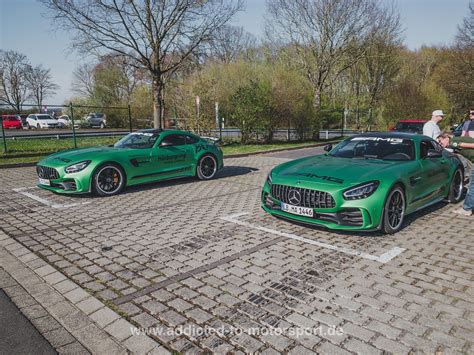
(468, 126)
(444, 139)
(465, 147)
(431, 128)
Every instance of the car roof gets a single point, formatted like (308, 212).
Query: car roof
(403, 135)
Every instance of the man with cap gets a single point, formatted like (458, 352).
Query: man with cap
(431, 128)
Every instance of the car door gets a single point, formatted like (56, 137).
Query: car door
(172, 156)
(428, 183)
(32, 121)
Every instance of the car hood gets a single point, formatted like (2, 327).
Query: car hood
(72, 156)
(325, 169)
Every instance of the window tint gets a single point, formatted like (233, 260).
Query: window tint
(191, 140)
(425, 146)
(174, 139)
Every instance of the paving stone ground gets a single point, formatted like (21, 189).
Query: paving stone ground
(162, 258)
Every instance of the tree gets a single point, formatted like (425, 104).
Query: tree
(158, 36)
(83, 80)
(14, 67)
(465, 35)
(231, 42)
(251, 108)
(40, 84)
(328, 36)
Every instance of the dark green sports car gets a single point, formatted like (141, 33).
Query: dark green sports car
(367, 182)
(139, 157)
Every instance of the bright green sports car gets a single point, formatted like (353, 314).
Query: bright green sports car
(367, 182)
(139, 157)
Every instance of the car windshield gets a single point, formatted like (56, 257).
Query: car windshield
(43, 117)
(137, 140)
(10, 118)
(409, 126)
(382, 148)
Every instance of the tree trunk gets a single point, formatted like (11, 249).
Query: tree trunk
(157, 91)
(317, 112)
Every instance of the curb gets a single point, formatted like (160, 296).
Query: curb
(24, 165)
(94, 325)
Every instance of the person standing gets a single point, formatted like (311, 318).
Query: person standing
(431, 128)
(468, 126)
(465, 147)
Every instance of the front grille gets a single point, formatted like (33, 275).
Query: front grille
(46, 172)
(307, 197)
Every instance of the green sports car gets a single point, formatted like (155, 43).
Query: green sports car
(139, 157)
(367, 182)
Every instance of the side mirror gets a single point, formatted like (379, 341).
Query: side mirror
(434, 154)
(165, 144)
(328, 147)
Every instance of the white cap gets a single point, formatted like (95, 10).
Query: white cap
(438, 113)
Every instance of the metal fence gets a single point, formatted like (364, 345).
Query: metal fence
(57, 127)
(77, 128)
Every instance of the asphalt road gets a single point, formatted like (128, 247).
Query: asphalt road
(17, 334)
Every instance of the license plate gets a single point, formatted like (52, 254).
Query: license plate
(44, 182)
(301, 211)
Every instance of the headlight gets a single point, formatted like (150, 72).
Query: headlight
(361, 191)
(269, 178)
(77, 167)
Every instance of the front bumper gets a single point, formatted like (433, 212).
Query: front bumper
(346, 215)
(63, 183)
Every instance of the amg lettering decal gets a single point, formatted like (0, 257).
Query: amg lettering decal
(315, 176)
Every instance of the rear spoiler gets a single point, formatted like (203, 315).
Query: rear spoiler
(212, 139)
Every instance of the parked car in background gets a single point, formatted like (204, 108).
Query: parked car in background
(64, 121)
(413, 126)
(11, 121)
(96, 119)
(41, 120)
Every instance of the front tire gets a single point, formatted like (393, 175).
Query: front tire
(394, 210)
(456, 186)
(108, 180)
(207, 167)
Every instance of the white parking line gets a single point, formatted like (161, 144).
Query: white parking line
(384, 258)
(24, 191)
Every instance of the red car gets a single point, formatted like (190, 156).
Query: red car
(415, 126)
(11, 121)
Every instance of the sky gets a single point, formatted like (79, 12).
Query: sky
(25, 28)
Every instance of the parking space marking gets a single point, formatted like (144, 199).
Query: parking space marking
(24, 191)
(384, 258)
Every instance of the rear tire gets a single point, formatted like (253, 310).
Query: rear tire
(207, 167)
(38, 126)
(394, 210)
(108, 180)
(456, 186)
(102, 125)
